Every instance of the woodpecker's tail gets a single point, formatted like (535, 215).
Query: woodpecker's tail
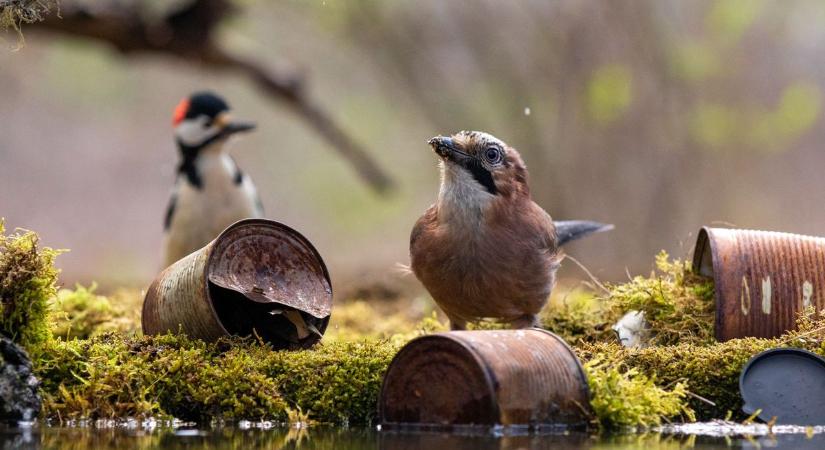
(570, 230)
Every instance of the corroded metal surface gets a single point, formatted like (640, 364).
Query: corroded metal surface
(205, 293)
(272, 263)
(762, 279)
(508, 377)
(178, 299)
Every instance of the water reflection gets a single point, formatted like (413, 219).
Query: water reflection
(43, 437)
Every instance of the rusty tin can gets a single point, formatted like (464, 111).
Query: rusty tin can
(762, 279)
(508, 377)
(257, 277)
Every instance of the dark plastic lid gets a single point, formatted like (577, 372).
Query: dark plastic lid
(786, 383)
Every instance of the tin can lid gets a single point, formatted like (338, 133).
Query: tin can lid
(786, 383)
(269, 262)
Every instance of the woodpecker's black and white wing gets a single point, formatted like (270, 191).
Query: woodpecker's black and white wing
(244, 182)
(170, 211)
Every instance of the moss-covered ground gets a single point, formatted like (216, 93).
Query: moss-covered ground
(94, 363)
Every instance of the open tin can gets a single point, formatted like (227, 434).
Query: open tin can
(258, 277)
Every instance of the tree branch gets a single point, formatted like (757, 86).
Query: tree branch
(187, 34)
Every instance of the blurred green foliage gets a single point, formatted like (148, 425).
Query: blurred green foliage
(798, 110)
(609, 92)
(730, 19)
(693, 60)
(717, 125)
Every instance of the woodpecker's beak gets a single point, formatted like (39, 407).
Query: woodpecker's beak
(229, 126)
(238, 127)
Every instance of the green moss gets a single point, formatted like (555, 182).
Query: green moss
(678, 305)
(338, 382)
(578, 316)
(82, 313)
(115, 376)
(355, 320)
(27, 285)
(710, 372)
(623, 397)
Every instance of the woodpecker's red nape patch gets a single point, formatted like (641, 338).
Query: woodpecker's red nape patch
(180, 112)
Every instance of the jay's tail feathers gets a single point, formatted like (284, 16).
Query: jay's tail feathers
(570, 230)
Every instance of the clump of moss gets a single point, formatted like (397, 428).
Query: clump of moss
(27, 285)
(82, 313)
(116, 376)
(710, 372)
(578, 315)
(624, 397)
(677, 304)
(337, 382)
(113, 376)
(355, 320)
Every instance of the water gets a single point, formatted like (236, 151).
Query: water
(144, 436)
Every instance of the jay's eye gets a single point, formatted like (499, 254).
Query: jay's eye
(492, 155)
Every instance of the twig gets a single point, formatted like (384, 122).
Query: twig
(589, 274)
(187, 34)
(797, 336)
(700, 398)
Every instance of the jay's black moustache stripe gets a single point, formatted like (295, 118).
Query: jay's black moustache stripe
(481, 175)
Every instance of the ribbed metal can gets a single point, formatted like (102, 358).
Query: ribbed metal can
(508, 377)
(762, 279)
(257, 277)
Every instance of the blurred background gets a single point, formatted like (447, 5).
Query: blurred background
(659, 116)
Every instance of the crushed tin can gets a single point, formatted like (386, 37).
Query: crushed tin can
(257, 278)
(762, 279)
(485, 378)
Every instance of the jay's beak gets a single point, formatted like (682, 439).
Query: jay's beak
(443, 146)
(448, 150)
